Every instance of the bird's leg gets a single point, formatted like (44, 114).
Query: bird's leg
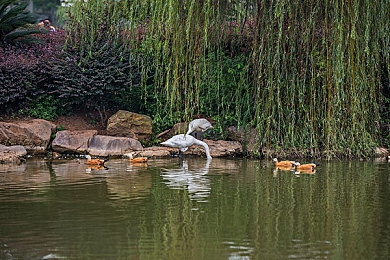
(181, 154)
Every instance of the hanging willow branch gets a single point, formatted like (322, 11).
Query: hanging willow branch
(306, 74)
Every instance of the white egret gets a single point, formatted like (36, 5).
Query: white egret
(199, 126)
(183, 142)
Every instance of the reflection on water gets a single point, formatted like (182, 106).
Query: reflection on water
(282, 169)
(311, 250)
(241, 250)
(297, 173)
(197, 209)
(93, 169)
(192, 178)
(133, 182)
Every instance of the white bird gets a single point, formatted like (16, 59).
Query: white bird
(199, 125)
(183, 142)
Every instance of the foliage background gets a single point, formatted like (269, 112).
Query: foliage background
(310, 76)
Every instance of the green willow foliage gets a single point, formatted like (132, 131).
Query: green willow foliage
(306, 74)
(318, 84)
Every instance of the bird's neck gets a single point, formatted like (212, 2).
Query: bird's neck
(205, 146)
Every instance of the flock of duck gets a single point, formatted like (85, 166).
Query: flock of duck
(293, 165)
(194, 136)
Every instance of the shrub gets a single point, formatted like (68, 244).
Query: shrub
(44, 108)
(98, 82)
(24, 70)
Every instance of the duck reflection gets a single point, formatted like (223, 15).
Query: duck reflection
(297, 173)
(95, 168)
(128, 181)
(282, 168)
(193, 178)
(131, 166)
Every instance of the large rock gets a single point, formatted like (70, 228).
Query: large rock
(72, 141)
(246, 136)
(34, 135)
(218, 148)
(128, 124)
(102, 145)
(11, 154)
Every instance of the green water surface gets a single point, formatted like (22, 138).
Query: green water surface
(198, 209)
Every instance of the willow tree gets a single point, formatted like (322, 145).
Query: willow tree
(306, 74)
(318, 79)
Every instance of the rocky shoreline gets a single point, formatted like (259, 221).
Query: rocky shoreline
(125, 131)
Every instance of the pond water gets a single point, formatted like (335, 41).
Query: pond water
(198, 209)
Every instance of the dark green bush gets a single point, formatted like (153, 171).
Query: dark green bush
(45, 107)
(98, 82)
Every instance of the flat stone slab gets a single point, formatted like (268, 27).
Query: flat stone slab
(103, 145)
(72, 141)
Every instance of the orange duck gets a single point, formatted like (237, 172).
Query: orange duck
(96, 161)
(137, 159)
(305, 167)
(283, 164)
